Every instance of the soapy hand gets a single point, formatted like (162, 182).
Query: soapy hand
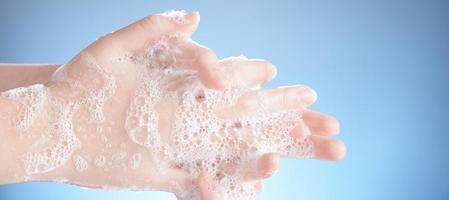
(148, 108)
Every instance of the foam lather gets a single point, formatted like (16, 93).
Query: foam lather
(179, 121)
(199, 139)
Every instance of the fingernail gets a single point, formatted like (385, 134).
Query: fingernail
(271, 71)
(259, 187)
(307, 95)
(196, 16)
(268, 164)
(196, 13)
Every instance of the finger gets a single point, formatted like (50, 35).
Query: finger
(206, 187)
(327, 148)
(203, 60)
(321, 124)
(279, 99)
(265, 166)
(136, 36)
(258, 187)
(301, 131)
(243, 71)
(268, 164)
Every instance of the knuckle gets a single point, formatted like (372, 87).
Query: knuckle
(285, 98)
(206, 56)
(246, 103)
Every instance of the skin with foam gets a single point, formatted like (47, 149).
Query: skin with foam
(160, 119)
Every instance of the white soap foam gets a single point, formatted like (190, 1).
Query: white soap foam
(32, 100)
(80, 163)
(56, 154)
(177, 16)
(100, 161)
(119, 156)
(134, 161)
(95, 99)
(200, 140)
(59, 115)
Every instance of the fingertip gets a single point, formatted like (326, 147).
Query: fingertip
(203, 179)
(260, 65)
(321, 124)
(329, 149)
(332, 126)
(268, 164)
(259, 187)
(271, 71)
(205, 184)
(309, 96)
(193, 19)
(300, 94)
(177, 21)
(137, 35)
(339, 150)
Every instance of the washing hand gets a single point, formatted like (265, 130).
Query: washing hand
(147, 108)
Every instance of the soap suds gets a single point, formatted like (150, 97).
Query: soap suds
(199, 139)
(135, 160)
(177, 16)
(58, 115)
(57, 154)
(32, 100)
(80, 163)
(100, 161)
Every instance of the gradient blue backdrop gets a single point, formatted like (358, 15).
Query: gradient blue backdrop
(380, 66)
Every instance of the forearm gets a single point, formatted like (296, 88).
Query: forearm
(10, 150)
(12, 145)
(16, 144)
(19, 75)
(19, 141)
(22, 130)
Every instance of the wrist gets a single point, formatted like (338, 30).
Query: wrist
(19, 75)
(11, 169)
(24, 126)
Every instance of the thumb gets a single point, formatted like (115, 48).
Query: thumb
(206, 186)
(137, 35)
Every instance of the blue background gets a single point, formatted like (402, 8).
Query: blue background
(380, 66)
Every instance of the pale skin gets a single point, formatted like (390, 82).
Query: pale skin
(212, 73)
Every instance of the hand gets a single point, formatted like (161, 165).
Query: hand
(321, 125)
(89, 97)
